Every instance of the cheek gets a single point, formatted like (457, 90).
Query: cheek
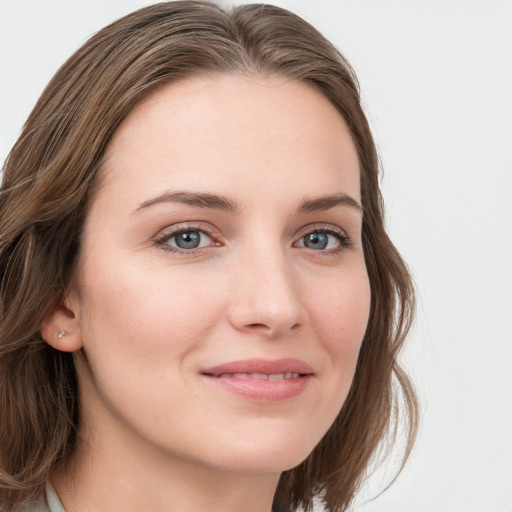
(140, 334)
(340, 319)
(141, 315)
(339, 316)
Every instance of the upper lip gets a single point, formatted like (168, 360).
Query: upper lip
(267, 366)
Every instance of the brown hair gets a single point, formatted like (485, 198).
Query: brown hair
(48, 179)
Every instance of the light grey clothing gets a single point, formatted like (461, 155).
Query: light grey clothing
(54, 504)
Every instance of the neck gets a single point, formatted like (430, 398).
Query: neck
(102, 474)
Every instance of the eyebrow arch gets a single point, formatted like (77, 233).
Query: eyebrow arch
(197, 199)
(326, 203)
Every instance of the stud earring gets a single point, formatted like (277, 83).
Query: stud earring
(62, 334)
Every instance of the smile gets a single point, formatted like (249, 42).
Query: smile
(262, 380)
(259, 376)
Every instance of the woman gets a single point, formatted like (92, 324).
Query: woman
(201, 309)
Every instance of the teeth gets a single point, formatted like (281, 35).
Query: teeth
(259, 376)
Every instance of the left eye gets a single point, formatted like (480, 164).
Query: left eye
(320, 241)
(186, 240)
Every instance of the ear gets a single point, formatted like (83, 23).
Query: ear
(60, 328)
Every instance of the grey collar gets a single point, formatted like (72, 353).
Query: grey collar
(54, 504)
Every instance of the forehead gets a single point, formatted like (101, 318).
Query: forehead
(211, 133)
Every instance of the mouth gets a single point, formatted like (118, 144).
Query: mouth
(262, 380)
(258, 376)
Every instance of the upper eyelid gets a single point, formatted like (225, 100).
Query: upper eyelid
(320, 226)
(181, 227)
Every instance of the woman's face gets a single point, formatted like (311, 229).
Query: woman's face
(221, 295)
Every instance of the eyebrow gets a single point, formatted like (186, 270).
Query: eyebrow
(197, 199)
(226, 204)
(326, 203)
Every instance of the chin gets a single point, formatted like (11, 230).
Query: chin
(263, 457)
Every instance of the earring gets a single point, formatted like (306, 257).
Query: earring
(62, 334)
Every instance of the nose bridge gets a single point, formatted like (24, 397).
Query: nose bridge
(266, 298)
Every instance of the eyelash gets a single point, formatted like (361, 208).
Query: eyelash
(328, 229)
(160, 242)
(344, 240)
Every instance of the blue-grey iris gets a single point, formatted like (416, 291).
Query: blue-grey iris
(316, 240)
(188, 240)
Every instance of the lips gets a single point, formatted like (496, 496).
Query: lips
(261, 366)
(259, 376)
(262, 380)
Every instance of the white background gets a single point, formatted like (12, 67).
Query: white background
(436, 78)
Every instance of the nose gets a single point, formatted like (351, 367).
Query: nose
(266, 298)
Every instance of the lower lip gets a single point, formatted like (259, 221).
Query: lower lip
(263, 390)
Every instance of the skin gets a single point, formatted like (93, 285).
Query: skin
(144, 318)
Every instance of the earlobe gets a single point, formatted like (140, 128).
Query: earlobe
(61, 330)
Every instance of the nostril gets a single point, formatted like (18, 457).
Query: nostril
(259, 326)
(268, 328)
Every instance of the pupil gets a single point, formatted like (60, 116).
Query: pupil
(188, 240)
(316, 241)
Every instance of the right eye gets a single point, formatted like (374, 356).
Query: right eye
(185, 240)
